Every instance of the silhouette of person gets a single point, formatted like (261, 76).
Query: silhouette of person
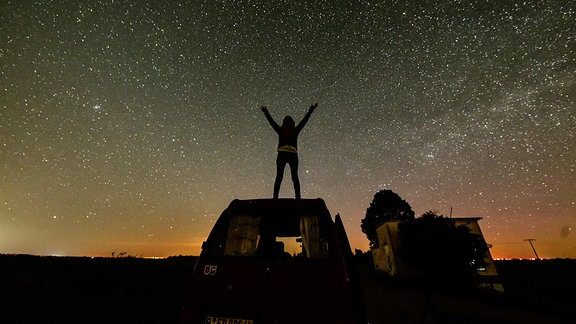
(287, 147)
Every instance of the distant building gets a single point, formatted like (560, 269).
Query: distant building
(386, 253)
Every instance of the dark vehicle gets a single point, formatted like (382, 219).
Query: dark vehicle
(275, 261)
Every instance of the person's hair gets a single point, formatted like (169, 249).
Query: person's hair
(288, 121)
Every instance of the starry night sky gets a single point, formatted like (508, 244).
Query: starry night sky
(130, 125)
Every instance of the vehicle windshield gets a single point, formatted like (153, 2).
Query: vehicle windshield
(281, 236)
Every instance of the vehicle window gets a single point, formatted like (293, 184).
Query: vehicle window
(280, 236)
(242, 237)
(313, 242)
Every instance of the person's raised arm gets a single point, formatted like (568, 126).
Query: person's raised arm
(271, 120)
(306, 117)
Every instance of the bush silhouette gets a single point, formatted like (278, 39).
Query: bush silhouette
(435, 246)
(386, 205)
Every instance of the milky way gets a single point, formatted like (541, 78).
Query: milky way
(129, 126)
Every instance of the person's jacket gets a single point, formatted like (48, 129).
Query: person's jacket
(288, 134)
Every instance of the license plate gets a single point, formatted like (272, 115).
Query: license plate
(223, 320)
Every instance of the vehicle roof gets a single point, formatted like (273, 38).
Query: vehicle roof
(278, 204)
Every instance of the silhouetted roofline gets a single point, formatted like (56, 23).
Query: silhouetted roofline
(451, 218)
(466, 218)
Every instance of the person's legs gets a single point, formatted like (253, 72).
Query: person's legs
(280, 165)
(293, 162)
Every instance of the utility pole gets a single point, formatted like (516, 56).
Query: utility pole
(532, 245)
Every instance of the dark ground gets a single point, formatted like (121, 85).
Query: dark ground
(131, 290)
(535, 292)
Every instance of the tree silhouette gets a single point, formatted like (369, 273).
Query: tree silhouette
(437, 247)
(386, 205)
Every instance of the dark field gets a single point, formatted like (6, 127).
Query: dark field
(132, 290)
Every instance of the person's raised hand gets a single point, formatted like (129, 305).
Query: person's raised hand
(314, 106)
(263, 108)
